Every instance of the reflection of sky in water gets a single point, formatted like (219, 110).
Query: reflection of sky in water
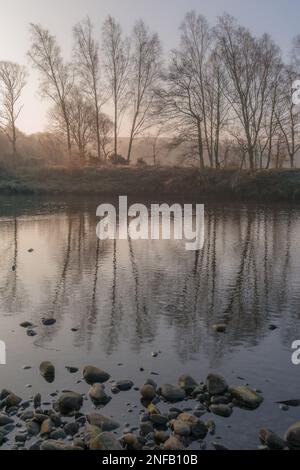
(128, 298)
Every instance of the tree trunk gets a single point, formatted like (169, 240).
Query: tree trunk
(200, 144)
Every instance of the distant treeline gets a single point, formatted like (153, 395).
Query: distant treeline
(223, 98)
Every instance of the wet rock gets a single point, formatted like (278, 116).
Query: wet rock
(47, 371)
(51, 444)
(39, 418)
(161, 436)
(69, 402)
(58, 434)
(8, 428)
(219, 328)
(151, 382)
(98, 394)
(71, 428)
(218, 446)
(158, 419)
(36, 445)
(146, 428)
(148, 392)
(90, 432)
(271, 440)
(181, 429)
(187, 383)
(220, 400)
(292, 436)
(105, 441)
(31, 333)
(20, 437)
(48, 321)
(93, 375)
(4, 393)
(33, 428)
(37, 400)
(197, 427)
(114, 389)
(171, 393)
(102, 422)
(46, 427)
(221, 410)
(72, 369)
(11, 401)
(245, 397)
(173, 443)
(124, 385)
(131, 441)
(26, 324)
(79, 443)
(211, 426)
(216, 384)
(27, 415)
(4, 420)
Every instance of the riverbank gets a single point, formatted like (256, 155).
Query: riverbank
(149, 182)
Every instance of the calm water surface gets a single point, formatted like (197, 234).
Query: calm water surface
(129, 298)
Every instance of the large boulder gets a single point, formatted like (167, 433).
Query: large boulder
(93, 375)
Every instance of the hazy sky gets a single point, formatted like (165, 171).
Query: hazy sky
(281, 18)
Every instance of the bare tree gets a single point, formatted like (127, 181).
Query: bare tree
(12, 82)
(106, 127)
(82, 119)
(288, 114)
(145, 72)
(116, 55)
(248, 62)
(87, 61)
(56, 75)
(185, 98)
(215, 107)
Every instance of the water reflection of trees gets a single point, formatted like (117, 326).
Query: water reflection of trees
(246, 276)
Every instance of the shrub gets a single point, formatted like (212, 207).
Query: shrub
(117, 159)
(141, 162)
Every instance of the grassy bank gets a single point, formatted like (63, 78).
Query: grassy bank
(275, 185)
